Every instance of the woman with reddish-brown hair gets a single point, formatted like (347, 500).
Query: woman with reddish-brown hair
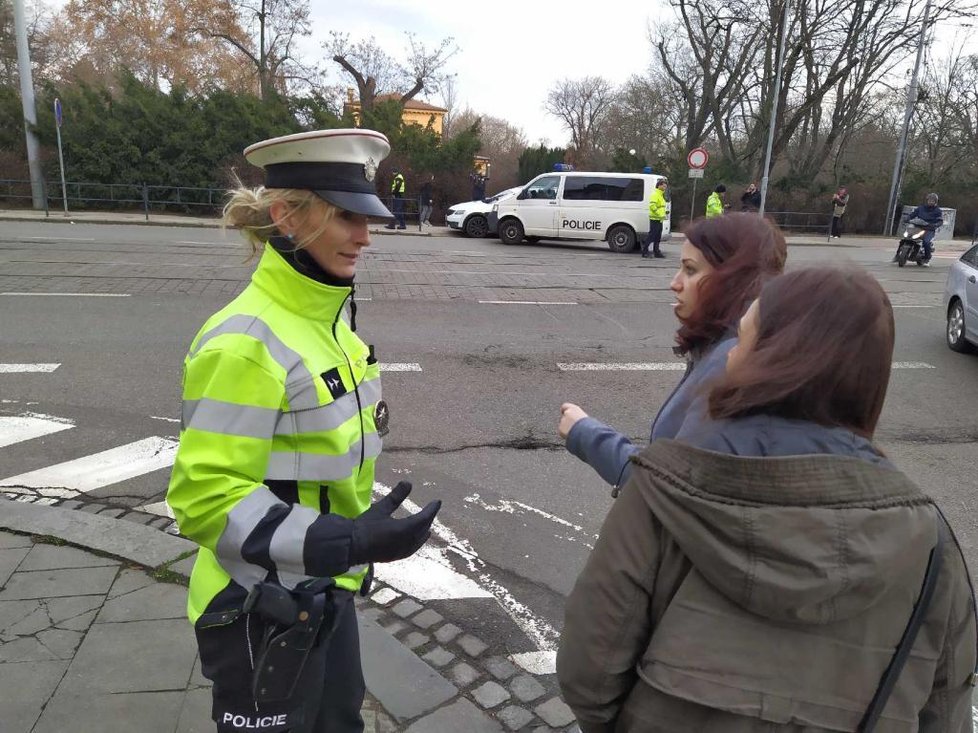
(771, 570)
(723, 264)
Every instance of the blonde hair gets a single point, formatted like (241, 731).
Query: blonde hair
(249, 210)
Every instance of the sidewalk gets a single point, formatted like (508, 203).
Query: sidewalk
(94, 639)
(176, 220)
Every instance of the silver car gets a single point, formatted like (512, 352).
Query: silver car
(961, 302)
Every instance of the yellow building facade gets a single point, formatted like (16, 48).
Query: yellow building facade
(415, 112)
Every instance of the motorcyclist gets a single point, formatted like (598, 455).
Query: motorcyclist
(931, 213)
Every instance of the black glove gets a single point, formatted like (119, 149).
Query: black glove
(378, 537)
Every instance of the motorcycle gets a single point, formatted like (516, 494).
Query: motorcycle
(911, 247)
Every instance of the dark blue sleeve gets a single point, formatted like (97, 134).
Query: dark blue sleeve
(603, 448)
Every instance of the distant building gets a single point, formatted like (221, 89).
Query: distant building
(415, 112)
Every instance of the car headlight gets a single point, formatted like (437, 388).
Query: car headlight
(453, 212)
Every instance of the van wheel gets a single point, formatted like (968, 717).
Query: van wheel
(510, 231)
(476, 226)
(621, 238)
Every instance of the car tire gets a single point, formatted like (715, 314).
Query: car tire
(621, 238)
(955, 332)
(476, 226)
(510, 231)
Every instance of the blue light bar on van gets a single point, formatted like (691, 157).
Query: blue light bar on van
(563, 167)
(647, 169)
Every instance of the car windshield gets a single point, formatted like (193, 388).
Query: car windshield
(503, 194)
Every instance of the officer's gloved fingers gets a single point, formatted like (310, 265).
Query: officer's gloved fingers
(386, 506)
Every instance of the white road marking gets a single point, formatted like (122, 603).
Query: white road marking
(536, 662)
(399, 367)
(160, 508)
(653, 366)
(428, 576)
(27, 368)
(527, 302)
(29, 426)
(85, 474)
(913, 365)
(76, 295)
(61, 239)
(511, 506)
(541, 633)
(165, 419)
(915, 306)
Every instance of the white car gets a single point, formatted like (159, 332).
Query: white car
(472, 217)
(961, 302)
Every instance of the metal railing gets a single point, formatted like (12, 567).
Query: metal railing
(816, 222)
(88, 195)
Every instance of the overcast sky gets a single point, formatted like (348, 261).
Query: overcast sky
(512, 51)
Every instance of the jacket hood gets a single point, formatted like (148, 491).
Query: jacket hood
(808, 539)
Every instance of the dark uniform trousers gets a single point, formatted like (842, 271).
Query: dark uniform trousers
(653, 238)
(329, 693)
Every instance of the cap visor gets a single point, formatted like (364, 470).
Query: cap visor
(358, 203)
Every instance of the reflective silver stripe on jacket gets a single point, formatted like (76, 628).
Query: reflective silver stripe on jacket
(290, 466)
(241, 522)
(299, 387)
(287, 544)
(331, 416)
(217, 416)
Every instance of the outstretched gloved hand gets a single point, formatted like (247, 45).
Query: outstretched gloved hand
(379, 537)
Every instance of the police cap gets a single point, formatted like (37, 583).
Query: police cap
(337, 165)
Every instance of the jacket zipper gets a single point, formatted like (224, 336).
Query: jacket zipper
(356, 387)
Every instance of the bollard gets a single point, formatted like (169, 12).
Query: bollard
(146, 200)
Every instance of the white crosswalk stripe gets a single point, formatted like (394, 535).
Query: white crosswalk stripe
(85, 474)
(28, 426)
(28, 368)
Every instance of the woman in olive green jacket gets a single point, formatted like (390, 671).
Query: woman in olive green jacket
(759, 575)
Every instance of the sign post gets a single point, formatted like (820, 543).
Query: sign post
(58, 118)
(697, 159)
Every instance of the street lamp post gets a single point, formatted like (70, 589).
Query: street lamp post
(27, 101)
(782, 42)
(897, 182)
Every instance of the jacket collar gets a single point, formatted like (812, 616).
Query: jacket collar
(296, 292)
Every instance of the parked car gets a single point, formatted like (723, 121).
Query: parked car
(613, 207)
(472, 217)
(961, 302)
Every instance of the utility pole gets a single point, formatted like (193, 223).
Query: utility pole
(782, 42)
(27, 100)
(897, 183)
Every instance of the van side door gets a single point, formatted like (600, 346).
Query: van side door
(589, 205)
(537, 207)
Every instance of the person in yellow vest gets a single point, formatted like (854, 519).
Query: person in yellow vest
(281, 427)
(397, 197)
(716, 203)
(657, 215)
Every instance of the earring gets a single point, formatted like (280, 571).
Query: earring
(290, 237)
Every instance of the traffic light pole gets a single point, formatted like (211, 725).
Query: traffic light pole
(27, 101)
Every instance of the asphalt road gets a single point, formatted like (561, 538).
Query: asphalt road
(476, 426)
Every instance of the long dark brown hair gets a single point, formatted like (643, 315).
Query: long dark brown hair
(823, 353)
(745, 251)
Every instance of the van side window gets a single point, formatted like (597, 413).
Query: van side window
(545, 188)
(584, 188)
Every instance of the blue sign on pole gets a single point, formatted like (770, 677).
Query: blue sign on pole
(57, 111)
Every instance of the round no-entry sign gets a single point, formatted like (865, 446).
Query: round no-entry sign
(697, 158)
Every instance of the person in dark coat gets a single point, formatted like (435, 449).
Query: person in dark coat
(724, 262)
(758, 573)
(426, 201)
(931, 213)
(840, 200)
(750, 199)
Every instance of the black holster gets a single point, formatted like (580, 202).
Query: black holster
(296, 622)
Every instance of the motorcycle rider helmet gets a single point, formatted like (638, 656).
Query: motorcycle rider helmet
(931, 199)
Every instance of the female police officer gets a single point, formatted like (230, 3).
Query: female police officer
(282, 424)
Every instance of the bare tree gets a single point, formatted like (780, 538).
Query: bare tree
(582, 105)
(264, 32)
(376, 72)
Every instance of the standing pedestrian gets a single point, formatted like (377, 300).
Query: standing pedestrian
(478, 186)
(282, 425)
(426, 200)
(657, 215)
(397, 197)
(777, 532)
(839, 202)
(723, 264)
(716, 203)
(750, 199)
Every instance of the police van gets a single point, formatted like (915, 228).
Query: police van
(579, 205)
